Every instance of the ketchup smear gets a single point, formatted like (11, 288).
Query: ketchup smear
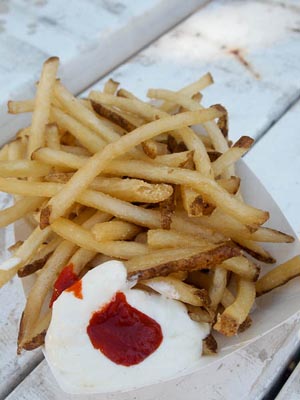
(122, 333)
(67, 279)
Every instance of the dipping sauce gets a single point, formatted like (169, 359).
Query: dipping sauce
(124, 334)
(65, 280)
(117, 337)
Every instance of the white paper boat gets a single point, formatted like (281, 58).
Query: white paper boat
(272, 309)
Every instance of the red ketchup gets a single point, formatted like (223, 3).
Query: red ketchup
(67, 279)
(122, 333)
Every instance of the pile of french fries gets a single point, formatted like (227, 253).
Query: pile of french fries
(113, 177)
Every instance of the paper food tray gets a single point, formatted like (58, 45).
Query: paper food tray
(270, 311)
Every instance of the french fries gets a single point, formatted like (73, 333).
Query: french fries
(111, 176)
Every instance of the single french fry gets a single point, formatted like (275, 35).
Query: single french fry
(230, 227)
(38, 333)
(41, 113)
(175, 289)
(232, 155)
(111, 86)
(164, 262)
(190, 90)
(255, 250)
(278, 276)
(114, 230)
(19, 107)
(229, 321)
(114, 116)
(19, 210)
(133, 190)
(23, 169)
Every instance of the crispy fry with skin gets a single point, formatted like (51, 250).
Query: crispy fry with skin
(229, 321)
(278, 276)
(164, 262)
(255, 250)
(40, 259)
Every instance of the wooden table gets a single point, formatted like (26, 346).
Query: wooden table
(252, 49)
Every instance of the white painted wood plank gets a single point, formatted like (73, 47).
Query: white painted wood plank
(276, 160)
(291, 389)
(255, 96)
(90, 37)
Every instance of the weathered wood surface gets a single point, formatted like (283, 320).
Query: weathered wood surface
(90, 37)
(256, 69)
(291, 390)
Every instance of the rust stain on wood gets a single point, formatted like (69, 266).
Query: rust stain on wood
(237, 53)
